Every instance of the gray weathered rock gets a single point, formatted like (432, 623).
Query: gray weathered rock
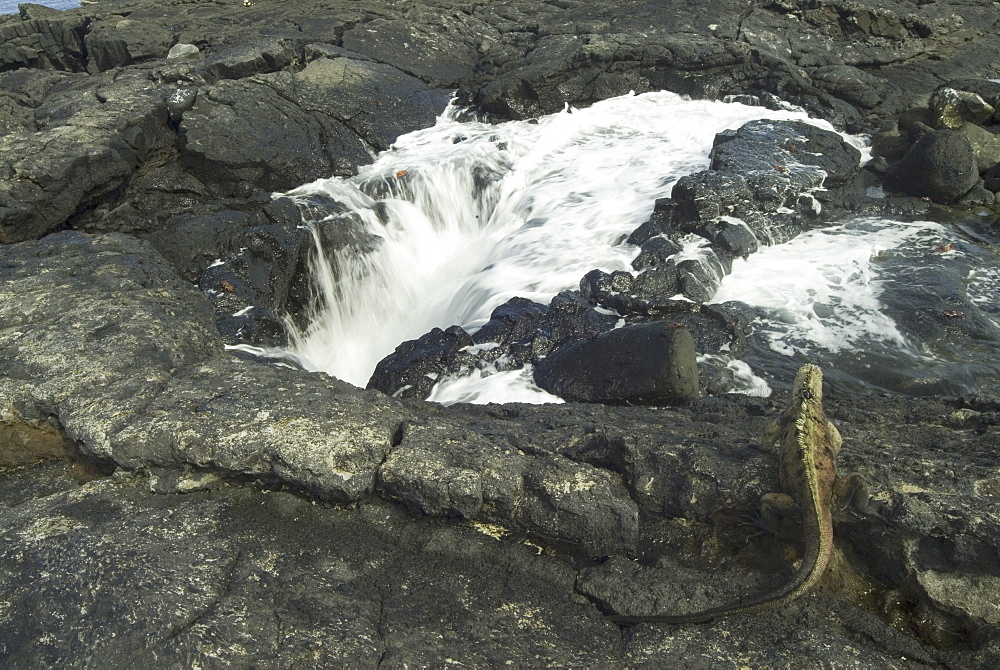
(184, 51)
(445, 469)
(271, 579)
(106, 350)
(80, 161)
(985, 145)
(143, 382)
(121, 356)
(115, 41)
(42, 38)
(953, 109)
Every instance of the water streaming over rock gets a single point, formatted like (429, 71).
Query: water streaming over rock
(456, 219)
(465, 215)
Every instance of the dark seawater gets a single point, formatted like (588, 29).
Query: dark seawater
(10, 6)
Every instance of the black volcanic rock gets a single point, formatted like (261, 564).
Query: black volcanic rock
(414, 367)
(941, 165)
(768, 180)
(649, 364)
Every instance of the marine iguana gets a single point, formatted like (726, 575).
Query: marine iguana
(808, 472)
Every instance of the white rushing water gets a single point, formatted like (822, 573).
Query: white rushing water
(466, 215)
(471, 215)
(821, 289)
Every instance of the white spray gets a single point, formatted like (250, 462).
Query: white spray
(470, 215)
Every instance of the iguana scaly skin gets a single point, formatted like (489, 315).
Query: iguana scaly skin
(808, 472)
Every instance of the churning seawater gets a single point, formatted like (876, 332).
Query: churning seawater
(461, 217)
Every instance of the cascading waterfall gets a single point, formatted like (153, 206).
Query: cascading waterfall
(456, 219)
(468, 215)
(370, 302)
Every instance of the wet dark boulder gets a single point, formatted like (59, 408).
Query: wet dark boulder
(250, 289)
(760, 147)
(333, 235)
(652, 293)
(941, 165)
(705, 196)
(513, 321)
(610, 290)
(520, 332)
(519, 324)
(648, 364)
(654, 241)
(414, 367)
(767, 181)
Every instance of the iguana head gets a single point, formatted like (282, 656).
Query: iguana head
(808, 383)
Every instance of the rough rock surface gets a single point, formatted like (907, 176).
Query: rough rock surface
(925, 152)
(174, 399)
(941, 165)
(240, 577)
(140, 384)
(267, 516)
(645, 364)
